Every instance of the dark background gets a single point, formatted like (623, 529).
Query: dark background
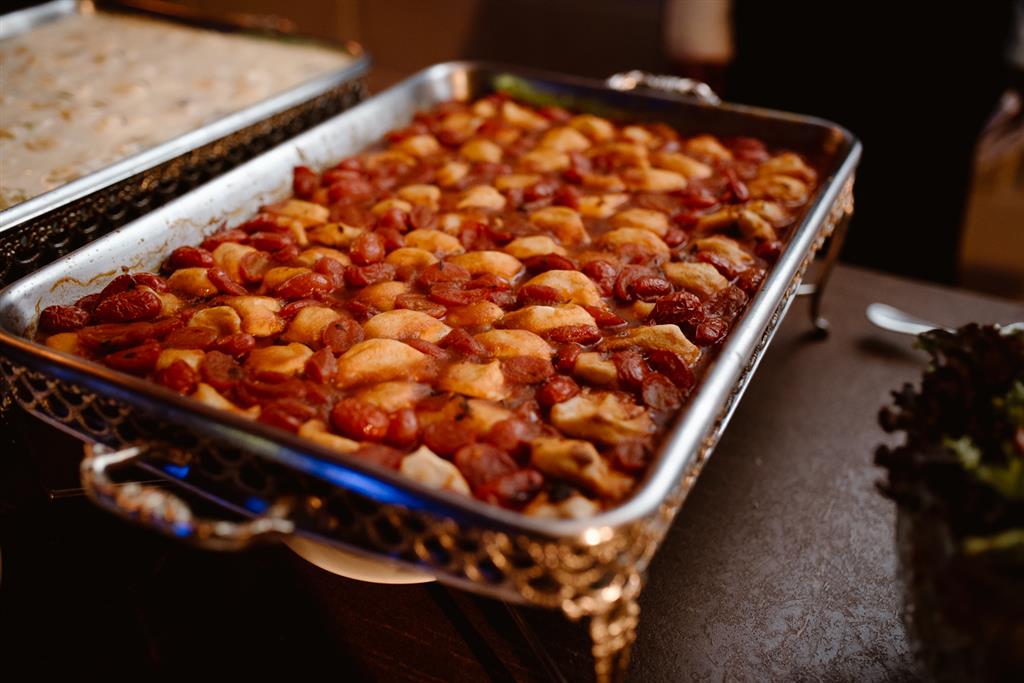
(914, 81)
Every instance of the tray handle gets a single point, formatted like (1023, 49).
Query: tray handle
(631, 80)
(163, 511)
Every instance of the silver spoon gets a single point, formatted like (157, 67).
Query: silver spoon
(893, 319)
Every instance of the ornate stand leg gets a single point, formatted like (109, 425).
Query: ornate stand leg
(612, 633)
(613, 615)
(6, 400)
(7, 389)
(820, 322)
(836, 226)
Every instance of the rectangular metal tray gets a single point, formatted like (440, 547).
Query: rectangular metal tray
(48, 226)
(589, 566)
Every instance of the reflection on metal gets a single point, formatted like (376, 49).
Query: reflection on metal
(688, 87)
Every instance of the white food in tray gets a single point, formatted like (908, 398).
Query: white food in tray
(85, 91)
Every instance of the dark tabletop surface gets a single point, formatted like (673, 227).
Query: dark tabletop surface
(780, 565)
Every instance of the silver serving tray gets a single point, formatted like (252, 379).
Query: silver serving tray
(586, 567)
(50, 225)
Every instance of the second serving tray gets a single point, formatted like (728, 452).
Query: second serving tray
(43, 228)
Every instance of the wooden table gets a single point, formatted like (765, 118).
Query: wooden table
(780, 565)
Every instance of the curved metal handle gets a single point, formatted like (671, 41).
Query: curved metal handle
(165, 512)
(631, 80)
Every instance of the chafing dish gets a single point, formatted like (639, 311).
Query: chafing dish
(283, 485)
